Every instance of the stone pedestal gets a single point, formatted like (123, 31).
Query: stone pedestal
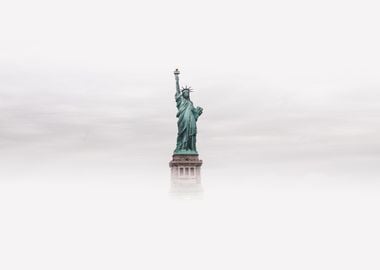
(186, 168)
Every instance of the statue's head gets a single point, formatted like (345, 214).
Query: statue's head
(186, 92)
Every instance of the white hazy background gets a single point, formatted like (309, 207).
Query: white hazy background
(290, 134)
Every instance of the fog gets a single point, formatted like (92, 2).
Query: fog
(289, 136)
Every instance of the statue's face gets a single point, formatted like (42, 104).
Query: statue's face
(186, 94)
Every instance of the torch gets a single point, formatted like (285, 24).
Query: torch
(176, 73)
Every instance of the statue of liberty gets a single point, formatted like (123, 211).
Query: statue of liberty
(187, 120)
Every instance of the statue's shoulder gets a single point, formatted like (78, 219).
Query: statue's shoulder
(178, 96)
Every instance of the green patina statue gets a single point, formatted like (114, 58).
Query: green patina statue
(187, 120)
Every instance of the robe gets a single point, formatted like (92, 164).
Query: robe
(187, 127)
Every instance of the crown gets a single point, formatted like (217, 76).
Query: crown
(187, 89)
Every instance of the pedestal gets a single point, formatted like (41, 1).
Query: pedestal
(186, 168)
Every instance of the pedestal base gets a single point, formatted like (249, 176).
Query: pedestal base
(186, 168)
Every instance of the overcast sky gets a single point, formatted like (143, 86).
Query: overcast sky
(279, 81)
(289, 135)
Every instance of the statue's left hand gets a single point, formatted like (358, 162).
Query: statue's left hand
(199, 110)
